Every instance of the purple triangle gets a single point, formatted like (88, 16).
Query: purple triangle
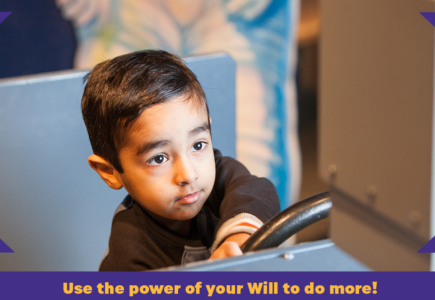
(4, 15)
(5, 248)
(429, 247)
(430, 16)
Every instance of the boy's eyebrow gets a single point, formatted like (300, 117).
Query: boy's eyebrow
(157, 144)
(152, 145)
(199, 129)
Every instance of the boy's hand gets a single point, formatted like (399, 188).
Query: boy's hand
(231, 246)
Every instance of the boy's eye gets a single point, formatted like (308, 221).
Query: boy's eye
(157, 160)
(198, 146)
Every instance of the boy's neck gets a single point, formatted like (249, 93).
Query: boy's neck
(177, 226)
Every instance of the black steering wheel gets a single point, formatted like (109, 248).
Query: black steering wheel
(288, 222)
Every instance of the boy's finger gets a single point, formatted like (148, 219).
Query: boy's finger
(227, 249)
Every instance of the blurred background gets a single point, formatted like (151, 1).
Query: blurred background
(307, 87)
(45, 36)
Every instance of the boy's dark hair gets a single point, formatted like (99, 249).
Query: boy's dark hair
(120, 89)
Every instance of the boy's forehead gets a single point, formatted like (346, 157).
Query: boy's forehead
(175, 116)
(176, 109)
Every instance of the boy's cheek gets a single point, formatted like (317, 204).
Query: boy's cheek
(209, 164)
(154, 187)
(213, 167)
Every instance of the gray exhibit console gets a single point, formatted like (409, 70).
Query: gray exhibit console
(55, 211)
(376, 129)
(316, 256)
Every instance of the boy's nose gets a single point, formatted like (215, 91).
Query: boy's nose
(185, 173)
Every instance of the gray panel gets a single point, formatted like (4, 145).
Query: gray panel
(374, 239)
(55, 211)
(377, 59)
(216, 73)
(314, 256)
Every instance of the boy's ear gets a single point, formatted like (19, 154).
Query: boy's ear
(106, 171)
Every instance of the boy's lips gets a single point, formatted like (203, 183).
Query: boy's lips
(190, 198)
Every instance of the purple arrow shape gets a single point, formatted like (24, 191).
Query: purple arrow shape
(4, 15)
(5, 248)
(430, 16)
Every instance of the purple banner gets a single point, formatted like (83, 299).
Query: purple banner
(4, 15)
(200, 285)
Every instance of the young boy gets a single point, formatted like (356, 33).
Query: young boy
(149, 127)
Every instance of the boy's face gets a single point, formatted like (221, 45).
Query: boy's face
(168, 160)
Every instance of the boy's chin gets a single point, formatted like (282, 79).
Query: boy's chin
(187, 215)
